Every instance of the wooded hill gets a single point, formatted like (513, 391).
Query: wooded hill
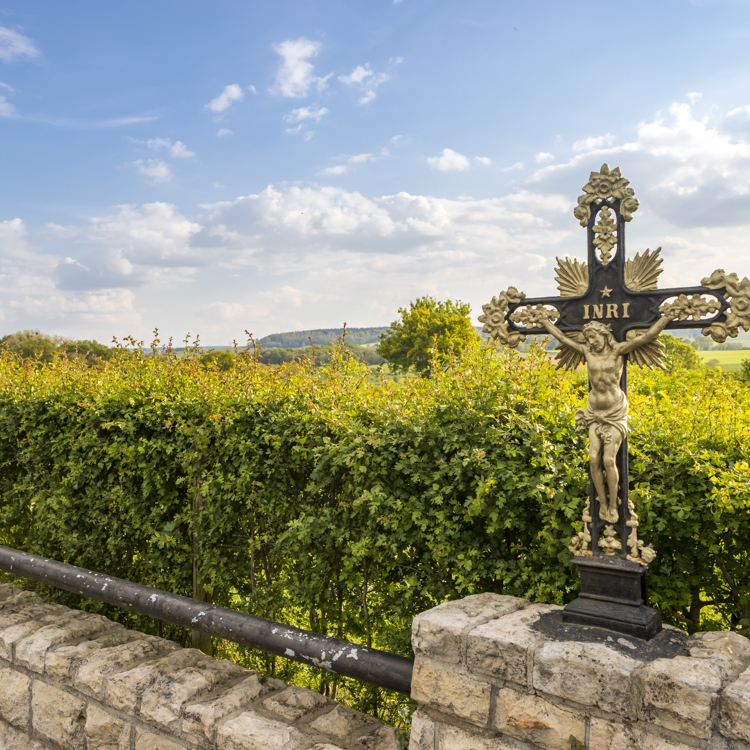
(299, 339)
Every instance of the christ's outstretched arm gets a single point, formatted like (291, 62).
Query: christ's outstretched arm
(553, 330)
(628, 346)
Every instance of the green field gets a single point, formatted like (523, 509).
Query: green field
(729, 360)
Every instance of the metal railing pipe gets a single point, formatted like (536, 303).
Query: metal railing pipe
(332, 654)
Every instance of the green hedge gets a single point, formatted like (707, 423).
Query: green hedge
(347, 506)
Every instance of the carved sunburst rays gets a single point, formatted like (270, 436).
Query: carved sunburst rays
(641, 274)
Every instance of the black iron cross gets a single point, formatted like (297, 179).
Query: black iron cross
(622, 295)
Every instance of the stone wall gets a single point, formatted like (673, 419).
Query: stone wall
(73, 680)
(495, 672)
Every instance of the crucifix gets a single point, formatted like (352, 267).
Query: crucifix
(610, 312)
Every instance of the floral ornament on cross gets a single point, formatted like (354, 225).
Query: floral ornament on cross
(605, 238)
(493, 317)
(738, 314)
(603, 185)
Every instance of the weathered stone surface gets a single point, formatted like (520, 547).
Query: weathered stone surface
(717, 742)
(605, 735)
(202, 717)
(533, 719)
(455, 738)
(15, 698)
(148, 741)
(503, 648)
(340, 722)
(61, 662)
(383, 738)
(453, 693)
(423, 730)
(125, 689)
(251, 731)
(105, 732)
(734, 709)
(31, 652)
(95, 669)
(678, 694)
(327, 746)
(21, 612)
(16, 739)
(438, 633)
(11, 635)
(58, 716)
(162, 702)
(728, 651)
(294, 702)
(588, 673)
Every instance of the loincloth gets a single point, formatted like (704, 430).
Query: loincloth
(614, 418)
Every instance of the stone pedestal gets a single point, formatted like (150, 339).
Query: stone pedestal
(613, 596)
(496, 672)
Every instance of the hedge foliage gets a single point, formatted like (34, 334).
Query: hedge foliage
(347, 504)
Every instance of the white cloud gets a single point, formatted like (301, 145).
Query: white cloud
(14, 45)
(306, 113)
(360, 158)
(252, 89)
(6, 108)
(231, 93)
(448, 161)
(222, 132)
(177, 149)
(592, 143)
(295, 76)
(484, 160)
(543, 156)
(365, 78)
(155, 170)
(515, 165)
(338, 169)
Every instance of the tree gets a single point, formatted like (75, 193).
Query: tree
(427, 323)
(32, 344)
(679, 355)
(745, 370)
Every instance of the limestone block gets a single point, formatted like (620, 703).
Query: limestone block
(339, 723)
(678, 694)
(31, 652)
(535, 720)
(251, 731)
(588, 673)
(423, 730)
(95, 669)
(383, 738)
(202, 717)
(10, 616)
(438, 632)
(124, 690)
(294, 702)
(104, 731)
(503, 648)
(452, 693)
(15, 698)
(606, 735)
(734, 709)
(326, 747)
(717, 742)
(58, 716)
(16, 739)
(454, 738)
(61, 662)
(147, 741)
(728, 651)
(7, 590)
(162, 702)
(20, 629)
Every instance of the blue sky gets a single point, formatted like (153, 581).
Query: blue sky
(215, 167)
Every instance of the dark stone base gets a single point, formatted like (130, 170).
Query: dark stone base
(612, 596)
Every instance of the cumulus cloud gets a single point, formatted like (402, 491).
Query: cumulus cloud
(304, 116)
(222, 132)
(593, 143)
(543, 156)
(15, 46)
(6, 108)
(231, 93)
(295, 75)
(338, 169)
(448, 161)
(154, 170)
(484, 160)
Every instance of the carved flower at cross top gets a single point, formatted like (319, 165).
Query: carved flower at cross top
(684, 307)
(494, 314)
(532, 316)
(605, 238)
(602, 185)
(738, 314)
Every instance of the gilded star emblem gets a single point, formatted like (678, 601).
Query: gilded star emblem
(605, 292)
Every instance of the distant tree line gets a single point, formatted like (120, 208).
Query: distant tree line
(37, 345)
(320, 336)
